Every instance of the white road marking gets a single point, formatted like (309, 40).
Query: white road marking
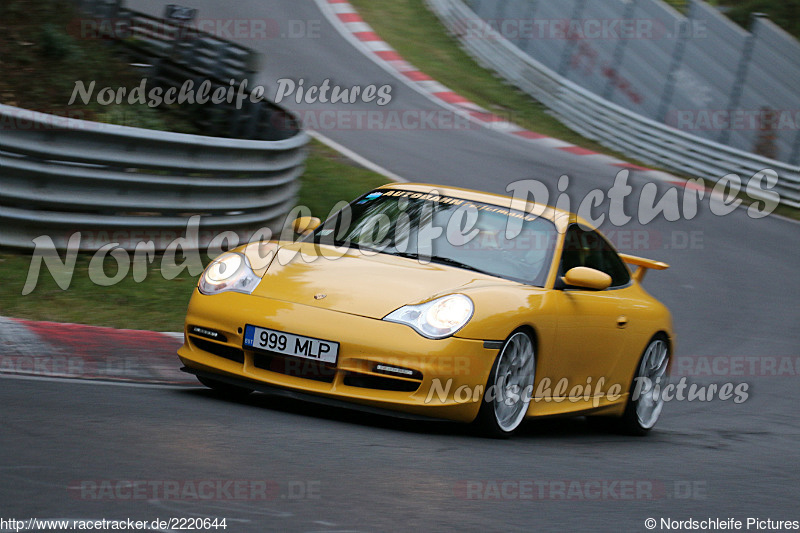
(361, 160)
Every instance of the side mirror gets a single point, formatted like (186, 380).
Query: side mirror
(587, 278)
(305, 225)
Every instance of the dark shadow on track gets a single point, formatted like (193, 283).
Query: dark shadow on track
(338, 414)
(544, 430)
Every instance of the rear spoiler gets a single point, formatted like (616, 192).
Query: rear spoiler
(643, 265)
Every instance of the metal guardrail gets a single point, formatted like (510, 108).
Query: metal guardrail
(119, 184)
(603, 121)
(59, 176)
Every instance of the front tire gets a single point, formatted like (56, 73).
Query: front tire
(509, 388)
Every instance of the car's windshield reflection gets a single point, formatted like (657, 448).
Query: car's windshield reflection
(454, 232)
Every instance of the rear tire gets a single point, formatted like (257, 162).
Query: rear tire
(645, 404)
(509, 388)
(225, 389)
(644, 409)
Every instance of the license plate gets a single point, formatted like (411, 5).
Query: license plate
(291, 345)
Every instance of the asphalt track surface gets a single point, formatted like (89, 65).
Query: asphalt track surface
(734, 293)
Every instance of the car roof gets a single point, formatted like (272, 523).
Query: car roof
(560, 217)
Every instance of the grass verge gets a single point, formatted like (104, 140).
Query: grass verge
(331, 177)
(154, 304)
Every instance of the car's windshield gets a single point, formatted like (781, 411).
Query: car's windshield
(445, 230)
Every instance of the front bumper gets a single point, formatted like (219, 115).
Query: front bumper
(446, 380)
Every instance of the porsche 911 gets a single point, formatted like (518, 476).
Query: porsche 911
(437, 303)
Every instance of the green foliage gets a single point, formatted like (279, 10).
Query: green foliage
(143, 116)
(680, 5)
(784, 13)
(55, 44)
(330, 177)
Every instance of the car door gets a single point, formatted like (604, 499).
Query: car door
(591, 325)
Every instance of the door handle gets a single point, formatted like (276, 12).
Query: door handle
(622, 321)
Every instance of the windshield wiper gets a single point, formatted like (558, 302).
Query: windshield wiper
(348, 244)
(407, 255)
(442, 261)
(458, 264)
(433, 259)
(356, 246)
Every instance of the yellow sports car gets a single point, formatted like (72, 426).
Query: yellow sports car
(440, 303)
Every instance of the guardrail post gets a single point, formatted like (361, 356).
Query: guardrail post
(532, 5)
(794, 159)
(675, 65)
(569, 48)
(500, 9)
(619, 51)
(250, 127)
(741, 75)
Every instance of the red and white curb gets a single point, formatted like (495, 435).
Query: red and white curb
(344, 17)
(56, 350)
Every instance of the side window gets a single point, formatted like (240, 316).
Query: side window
(590, 249)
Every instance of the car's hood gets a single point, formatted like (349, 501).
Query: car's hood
(371, 286)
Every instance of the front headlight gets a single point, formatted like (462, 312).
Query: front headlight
(436, 319)
(229, 272)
